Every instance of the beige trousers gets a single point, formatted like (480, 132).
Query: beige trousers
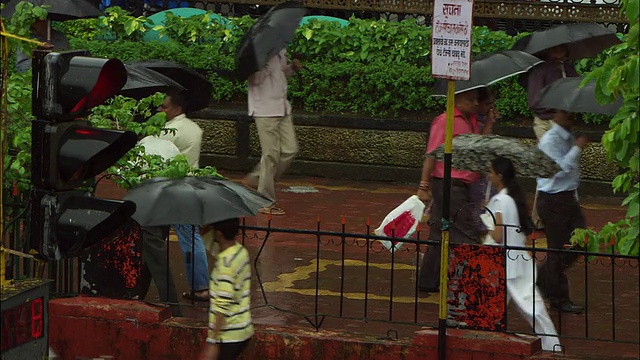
(279, 148)
(540, 126)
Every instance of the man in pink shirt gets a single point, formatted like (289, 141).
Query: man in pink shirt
(463, 229)
(271, 110)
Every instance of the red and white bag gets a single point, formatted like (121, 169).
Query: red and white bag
(401, 222)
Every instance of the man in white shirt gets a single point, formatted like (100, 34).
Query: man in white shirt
(559, 209)
(188, 139)
(188, 135)
(271, 110)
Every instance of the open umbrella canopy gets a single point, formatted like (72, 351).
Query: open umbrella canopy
(473, 152)
(58, 10)
(267, 37)
(143, 82)
(566, 94)
(192, 200)
(197, 86)
(583, 40)
(490, 69)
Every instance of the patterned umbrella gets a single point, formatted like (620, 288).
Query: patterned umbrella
(474, 152)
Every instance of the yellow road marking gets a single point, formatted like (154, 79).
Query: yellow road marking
(285, 282)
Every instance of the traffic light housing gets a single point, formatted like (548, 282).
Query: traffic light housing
(68, 153)
(73, 83)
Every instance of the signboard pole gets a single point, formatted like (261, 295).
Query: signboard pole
(450, 59)
(444, 248)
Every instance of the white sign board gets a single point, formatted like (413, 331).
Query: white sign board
(451, 39)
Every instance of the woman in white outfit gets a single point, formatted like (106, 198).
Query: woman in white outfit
(509, 208)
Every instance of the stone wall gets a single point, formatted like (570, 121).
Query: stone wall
(360, 148)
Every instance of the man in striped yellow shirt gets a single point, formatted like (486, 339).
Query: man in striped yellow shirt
(230, 327)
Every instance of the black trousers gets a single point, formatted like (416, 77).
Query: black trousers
(463, 229)
(156, 267)
(231, 351)
(561, 214)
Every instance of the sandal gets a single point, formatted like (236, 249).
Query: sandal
(190, 295)
(273, 210)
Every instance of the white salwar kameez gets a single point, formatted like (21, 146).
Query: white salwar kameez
(521, 286)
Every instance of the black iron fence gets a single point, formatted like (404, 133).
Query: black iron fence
(335, 272)
(370, 283)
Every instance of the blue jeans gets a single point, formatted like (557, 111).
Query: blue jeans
(193, 248)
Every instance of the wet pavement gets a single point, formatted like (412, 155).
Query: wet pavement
(348, 291)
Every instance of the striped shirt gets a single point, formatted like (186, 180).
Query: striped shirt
(230, 289)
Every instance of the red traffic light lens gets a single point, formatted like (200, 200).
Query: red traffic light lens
(111, 79)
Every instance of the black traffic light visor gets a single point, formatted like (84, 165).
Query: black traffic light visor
(86, 151)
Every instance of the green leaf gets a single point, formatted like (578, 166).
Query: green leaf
(630, 8)
(633, 210)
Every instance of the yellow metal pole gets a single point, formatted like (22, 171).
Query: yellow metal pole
(444, 248)
(3, 280)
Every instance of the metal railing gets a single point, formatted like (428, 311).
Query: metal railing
(606, 284)
(342, 274)
(511, 15)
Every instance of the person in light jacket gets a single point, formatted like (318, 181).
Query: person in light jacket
(269, 107)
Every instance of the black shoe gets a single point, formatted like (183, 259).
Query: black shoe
(427, 289)
(569, 307)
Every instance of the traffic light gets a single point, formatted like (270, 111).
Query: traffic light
(68, 153)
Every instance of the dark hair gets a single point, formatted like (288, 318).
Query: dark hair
(228, 228)
(178, 98)
(485, 94)
(503, 166)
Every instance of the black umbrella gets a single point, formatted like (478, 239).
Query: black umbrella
(192, 200)
(58, 10)
(490, 69)
(566, 94)
(143, 82)
(197, 86)
(267, 37)
(583, 40)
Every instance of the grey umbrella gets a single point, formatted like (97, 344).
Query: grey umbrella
(490, 69)
(192, 200)
(474, 152)
(566, 94)
(197, 86)
(583, 40)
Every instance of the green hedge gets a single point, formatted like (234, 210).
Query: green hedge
(375, 68)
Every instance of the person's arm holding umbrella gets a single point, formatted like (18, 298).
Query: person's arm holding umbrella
(291, 68)
(568, 161)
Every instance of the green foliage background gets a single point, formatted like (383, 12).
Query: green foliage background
(374, 68)
(370, 67)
